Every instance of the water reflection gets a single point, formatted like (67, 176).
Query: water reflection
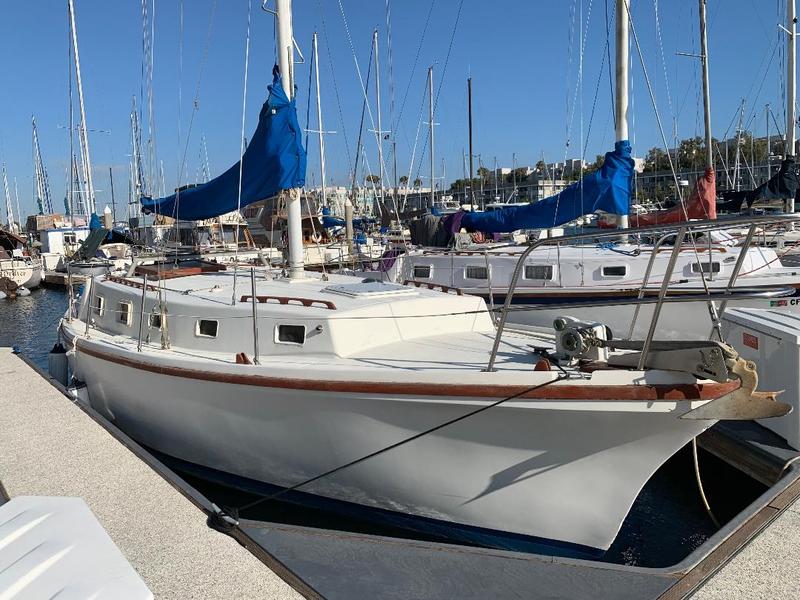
(29, 322)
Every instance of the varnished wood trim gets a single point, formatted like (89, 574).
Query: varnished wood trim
(599, 393)
(290, 300)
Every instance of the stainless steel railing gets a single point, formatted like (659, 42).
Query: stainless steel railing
(682, 229)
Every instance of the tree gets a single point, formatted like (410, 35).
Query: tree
(373, 178)
(656, 160)
(483, 173)
(404, 180)
(418, 183)
(541, 166)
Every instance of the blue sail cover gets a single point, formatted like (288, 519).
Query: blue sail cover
(275, 160)
(607, 189)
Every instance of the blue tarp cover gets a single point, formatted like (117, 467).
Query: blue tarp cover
(329, 222)
(275, 160)
(607, 189)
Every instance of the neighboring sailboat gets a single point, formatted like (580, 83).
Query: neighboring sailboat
(590, 274)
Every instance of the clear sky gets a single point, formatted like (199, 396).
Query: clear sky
(524, 56)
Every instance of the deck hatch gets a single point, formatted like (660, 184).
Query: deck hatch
(370, 289)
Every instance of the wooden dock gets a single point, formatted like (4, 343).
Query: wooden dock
(56, 279)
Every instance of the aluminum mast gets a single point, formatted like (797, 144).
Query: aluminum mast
(294, 215)
(621, 84)
(84, 137)
(791, 87)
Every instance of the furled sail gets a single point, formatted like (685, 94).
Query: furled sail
(607, 189)
(701, 204)
(275, 160)
(781, 186)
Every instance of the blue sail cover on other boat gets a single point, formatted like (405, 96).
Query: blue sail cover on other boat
(275, 160)
(607, 189)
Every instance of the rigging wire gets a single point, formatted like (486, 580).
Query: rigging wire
(392, 122)
(242, 146)
(442, 78)
(416, 59)
(336, 87)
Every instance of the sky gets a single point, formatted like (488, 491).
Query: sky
(539, 71)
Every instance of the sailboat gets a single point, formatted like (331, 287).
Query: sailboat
(377, 399)
(603, 276)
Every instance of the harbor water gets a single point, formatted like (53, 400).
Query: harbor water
(666, 523)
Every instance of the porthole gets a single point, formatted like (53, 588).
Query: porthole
(476, 272)
(290, 334)
(422, 271)
(540, 272)
(99, 307)
(615, 271)
(206, 328)
(124, 313)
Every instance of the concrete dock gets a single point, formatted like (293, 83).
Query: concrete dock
(50, 446)
(767, 568)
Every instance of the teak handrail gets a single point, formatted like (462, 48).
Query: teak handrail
(289, 300)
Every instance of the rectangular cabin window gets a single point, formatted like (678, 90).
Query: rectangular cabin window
(422, 271)
(540, 272)
(155, 320)
(704, 267)
(290, 334)
(206, 328)
(615, 271)
(124, 313)
(476, 272)
(99, 307)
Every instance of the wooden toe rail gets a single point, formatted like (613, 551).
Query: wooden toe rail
(308, 302)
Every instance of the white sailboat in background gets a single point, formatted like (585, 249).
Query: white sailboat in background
(602, 275)
(19, 272)
(375, 399)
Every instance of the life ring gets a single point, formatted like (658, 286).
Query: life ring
(478, 237)
(316, 237)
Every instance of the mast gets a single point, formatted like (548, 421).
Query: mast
(769, 152)
(791, 87)
(706, 87)
(84, 137)
(621, 83)
(9, 210)
(16, 196)
(737, 161)
(113, 198)
(495, 179)
(43, 195)
(294, 216)
(378, 102)
(319, 121)
(430, 116)
(69, 205)
(471, 171)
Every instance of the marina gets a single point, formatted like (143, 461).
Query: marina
(332, 371)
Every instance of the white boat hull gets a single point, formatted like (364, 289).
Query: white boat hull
(562, 472)
(679, 320)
